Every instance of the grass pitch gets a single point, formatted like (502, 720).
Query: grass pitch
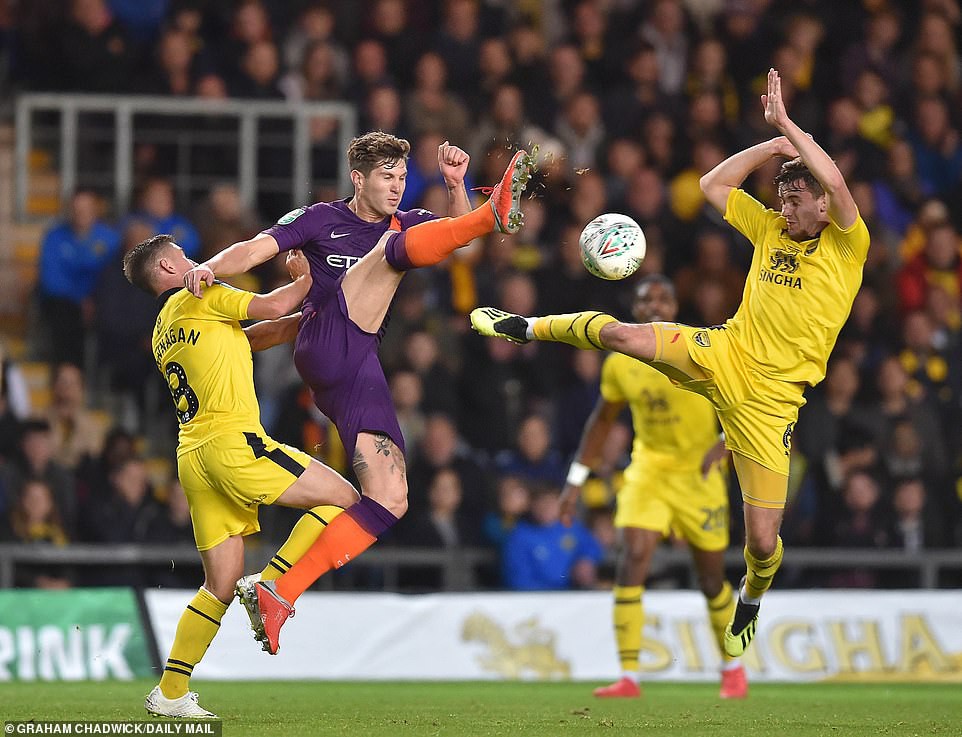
(383, 709)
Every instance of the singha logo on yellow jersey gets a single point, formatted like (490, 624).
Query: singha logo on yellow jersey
(534, 653)
(784, 260)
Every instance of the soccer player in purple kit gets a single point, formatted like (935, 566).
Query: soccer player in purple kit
(359, 249)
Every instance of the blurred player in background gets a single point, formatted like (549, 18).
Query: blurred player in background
(673, 484)
(226, 462)
(805, 273)
(359, 249)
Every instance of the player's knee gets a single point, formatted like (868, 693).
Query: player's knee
(221, 584)
(761, 544)
(632, 340)
(635, 559)
(396, 498)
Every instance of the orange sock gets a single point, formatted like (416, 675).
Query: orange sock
(340, 542)
(429, 243)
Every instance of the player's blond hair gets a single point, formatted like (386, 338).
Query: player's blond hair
(373, 149)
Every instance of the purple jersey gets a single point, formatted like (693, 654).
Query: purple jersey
(333, 239)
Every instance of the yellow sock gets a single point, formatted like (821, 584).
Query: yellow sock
(721, 607)
(196, 629)
(761, 572)
(629, 618)
(305, 532)
(580, 329)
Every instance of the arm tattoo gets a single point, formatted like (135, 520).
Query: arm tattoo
(382, 444)
(360, 465)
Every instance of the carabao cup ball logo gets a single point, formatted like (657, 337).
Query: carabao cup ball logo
(612, 246)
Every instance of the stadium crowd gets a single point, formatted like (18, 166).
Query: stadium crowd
(630, 102)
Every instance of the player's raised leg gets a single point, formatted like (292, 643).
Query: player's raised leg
(661, 344)
(764, 492)
(628, 614)
(370, 284)
(196, 629)
(720, 599)
(324, 493)
(380, 468)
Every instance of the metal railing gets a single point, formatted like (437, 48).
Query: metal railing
(247, 113)
(458, 567)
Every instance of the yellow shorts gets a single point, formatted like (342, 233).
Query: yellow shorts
(229, 477)
(757, 413)
(682, 502)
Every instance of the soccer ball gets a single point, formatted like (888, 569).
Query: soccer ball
(612, 246)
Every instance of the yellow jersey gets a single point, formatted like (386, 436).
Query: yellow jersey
(674, 428)
(798, 294)
(204, 355)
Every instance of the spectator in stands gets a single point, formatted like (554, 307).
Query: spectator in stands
(664, 29)
(369, 69)
(382, 111)
(533, 458)
(123, 323)
(224, 218)
(938, 265)
(35, 462)
(123, 515)
(712, 264)
(35, 520)
(422, 355)
(926, 360)
(578, 396)
(876, 51)
(259, 75)
(914, 528)
(97, 53)
(627, 108)
(407, 392)
(859, 523)
(72, 255)
(77, 433)
(171, 525)
(937, 146)
(513, 505)
(392, 25)
(156, 205)
(458, 43)
(249, 25)
(496, 68)
(315, 27)
(544, 554)
(175, 73)
(93, 483)
(316, 78)
(834, 431)
(505, 123)
(431, 106)
(581, 130)
(442, 448)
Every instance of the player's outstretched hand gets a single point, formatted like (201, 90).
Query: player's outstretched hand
(775, 113)
(297, 264)
(569, 503)
(197, 276)
(453, 163)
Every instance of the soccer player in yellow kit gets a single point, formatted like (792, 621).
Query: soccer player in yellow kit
(805, 273)
(226, 462)
(673, 483)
